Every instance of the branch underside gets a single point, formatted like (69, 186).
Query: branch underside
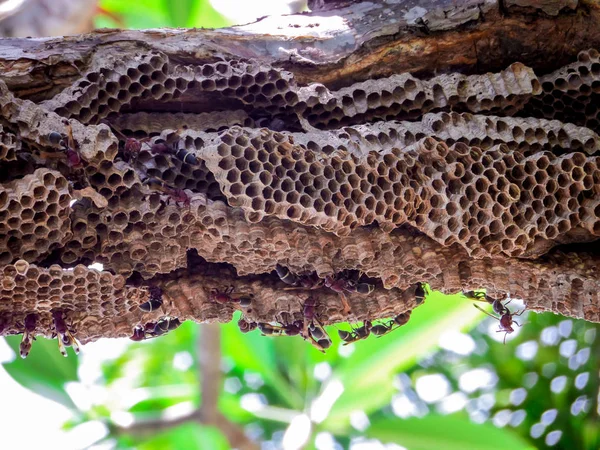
(200, 161)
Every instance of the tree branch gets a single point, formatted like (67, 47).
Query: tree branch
(209, 357)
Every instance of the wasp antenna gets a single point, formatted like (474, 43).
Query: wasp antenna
(484, 311)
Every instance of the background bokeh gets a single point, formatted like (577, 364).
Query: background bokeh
(443, 381)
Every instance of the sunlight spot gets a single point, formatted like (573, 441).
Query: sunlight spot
(567, 348)
(530, 380)
(6, 353)
(182, 361)
(253, 380)
(502, 418)
(253, 402)
(326, 441)
(179, 410)
(319, 410)
(232, 385)
(517, 418)
(549, 336)
(322, 371)
(565, 327)
(79, 394)
(579, 405)
(227, 364)
(518, 396)
(346, 350)
(581, 380)
(359, 420)
(403, 407)
(242, 12)
(549, 416)
(361, 443)
(590, 336)
(122, 419)
(96, 266)
(86, 434)
(106, 444)
(486, 401)
(402, 382)
(479, 416)
(254, 431)
(96, 354)
(477, 379)
(432, 388)
(548, 369)
(558, 384)
(573, 363)
(537, 430)
(527, 350)
(297, 433)
(583, 355)
(553, 437)
(457, 342)
(453, 403)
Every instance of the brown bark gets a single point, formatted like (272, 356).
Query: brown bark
(473, 187)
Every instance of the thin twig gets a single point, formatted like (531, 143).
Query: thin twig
(209, 357)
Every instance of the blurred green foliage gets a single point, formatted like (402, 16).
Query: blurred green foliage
(159, 13)
(268, 381)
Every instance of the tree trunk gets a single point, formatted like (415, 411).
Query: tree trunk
(450, 145)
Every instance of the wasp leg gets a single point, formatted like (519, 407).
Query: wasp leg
(347, 310)
(61, 347)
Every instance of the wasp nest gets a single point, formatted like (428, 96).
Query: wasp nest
(457, 181)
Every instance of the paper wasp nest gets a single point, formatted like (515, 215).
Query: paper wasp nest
(457, 181)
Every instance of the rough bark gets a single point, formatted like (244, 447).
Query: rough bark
(410, 142)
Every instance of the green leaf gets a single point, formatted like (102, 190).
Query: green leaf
(205, 16)
(376, 360)
(45, 371)
(180, 11)
(136, 15)
(444, 433)
(256, 353)
(188, 436)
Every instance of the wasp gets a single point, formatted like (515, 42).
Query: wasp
(155, 301)
(384, 328)
(505, 319)
(29, 327)
(343, 283)
(311, 281)
(69, 147)
(131, 146)
(420, 293)
(155, 329)
(165, 325)
(177, 195)
(228, 296)
(356, 334)
(246, 326)
(65, 336)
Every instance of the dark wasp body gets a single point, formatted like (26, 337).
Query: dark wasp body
(384, 328)
(155, 301)
(356, 334)
(155, 329)
(506, 317)
(64, 335)
(28, 334)
(177, 195)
